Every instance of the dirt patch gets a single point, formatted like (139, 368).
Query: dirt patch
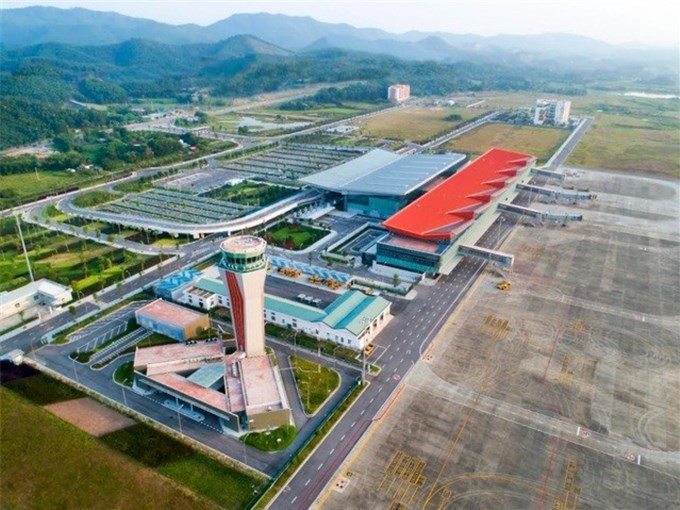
(90, 416)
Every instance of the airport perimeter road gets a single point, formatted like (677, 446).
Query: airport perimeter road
(400, 346)
(561, 155)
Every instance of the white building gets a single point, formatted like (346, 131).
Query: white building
(24, 299)
(353, 320)
(552, 111)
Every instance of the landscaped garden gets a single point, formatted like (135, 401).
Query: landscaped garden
(272, 440)
(293, 236)
(256, 194)
(84, 265)
(315, 382)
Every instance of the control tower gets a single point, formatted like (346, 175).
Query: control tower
(243, 269)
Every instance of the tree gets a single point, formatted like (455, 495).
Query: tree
(395, 280)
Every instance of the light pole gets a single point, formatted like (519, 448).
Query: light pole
(75, 372)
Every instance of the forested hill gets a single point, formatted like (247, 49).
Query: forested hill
(37, 81)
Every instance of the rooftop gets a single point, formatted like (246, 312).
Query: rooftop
(178, 279)
(42, 286)
(171, 357)
(261, 390)
(350, 311)
(243, 244)
(450, 207)
(380, 172)
(170, 313)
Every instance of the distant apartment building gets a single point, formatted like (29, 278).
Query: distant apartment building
(552, 111)
(398, 92)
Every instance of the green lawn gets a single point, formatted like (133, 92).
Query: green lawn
(125, 373)
(315, 383)
(272, 440)
(293, 236)
(48, 463)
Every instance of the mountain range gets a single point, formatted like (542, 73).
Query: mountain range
(82, 27)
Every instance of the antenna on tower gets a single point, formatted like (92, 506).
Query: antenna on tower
(23, 245)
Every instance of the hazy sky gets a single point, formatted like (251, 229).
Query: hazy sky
(654, 22)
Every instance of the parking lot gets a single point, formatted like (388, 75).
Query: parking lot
(104, 329)
(560, 393)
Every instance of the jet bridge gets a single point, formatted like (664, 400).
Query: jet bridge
(556, 193)
(542, 172)
(504, 259)
(539, 215)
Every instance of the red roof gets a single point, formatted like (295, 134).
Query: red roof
(452, 205)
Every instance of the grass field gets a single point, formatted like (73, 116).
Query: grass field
(315, 382)
(537, 141)
(30, 185)
(43, 390)
(124, 374)
(327, 112)
(48, 463)
(631, 144)
(631, 134)
(293, 236)
(414, 124)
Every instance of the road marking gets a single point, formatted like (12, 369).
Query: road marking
(320, 466)
(331, 452)
(380, 389)
(401, 360)
(362, 412)
(353, 423)
(343, 437)
(371, 401)
(293, 500)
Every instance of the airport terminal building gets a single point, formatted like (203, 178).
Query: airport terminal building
(380, 183)
(425, 236)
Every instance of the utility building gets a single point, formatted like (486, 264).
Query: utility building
(172, 320)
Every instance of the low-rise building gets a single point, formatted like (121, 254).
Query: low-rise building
(27, 298)
(203, 383)
(353, 320)
(172, 320)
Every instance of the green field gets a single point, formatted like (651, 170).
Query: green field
(48, 463)
(124, 374)
(86, 266)
(415, 124)
(320, 112)
(42, 390)
(315, 382)
(293, 236)
(631, 134)
(541, 142)
(631, 143)
(17, 188)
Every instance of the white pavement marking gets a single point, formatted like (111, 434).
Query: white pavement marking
(380, 389)
(293, 500)
(343, 437)
(320, 466)
(331, 452)
(307, 483)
